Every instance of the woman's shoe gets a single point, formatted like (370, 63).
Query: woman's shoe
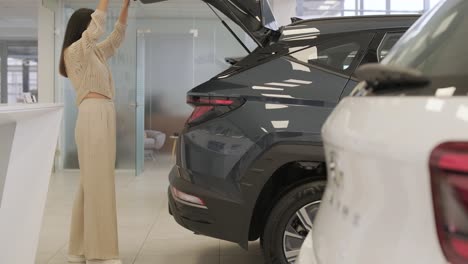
(107, 261)
(76, 259)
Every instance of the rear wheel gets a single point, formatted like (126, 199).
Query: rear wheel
(290, 222)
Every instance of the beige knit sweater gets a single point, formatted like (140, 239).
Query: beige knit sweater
(86, 59)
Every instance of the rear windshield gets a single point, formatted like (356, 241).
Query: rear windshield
(436, 45)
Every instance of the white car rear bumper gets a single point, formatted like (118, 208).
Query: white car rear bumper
(307, 255)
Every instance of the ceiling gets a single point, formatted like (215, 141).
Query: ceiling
(168, 9)
(19, 18)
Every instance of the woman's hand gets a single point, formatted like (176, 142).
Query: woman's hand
(124, 12)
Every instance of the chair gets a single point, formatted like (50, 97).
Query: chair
(154, 141)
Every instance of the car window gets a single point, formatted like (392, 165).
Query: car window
(435, 45)
(350, 59)
(389, 40)
(335, 55)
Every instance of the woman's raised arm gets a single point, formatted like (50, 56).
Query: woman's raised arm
(103, 5)
(109, 46)
(95, 30)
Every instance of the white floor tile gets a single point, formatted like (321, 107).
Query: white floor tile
(244, 259)
(229, 249)
(185, 246)
(147, 233)
(182, 259)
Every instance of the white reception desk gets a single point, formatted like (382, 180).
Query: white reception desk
(28, 139)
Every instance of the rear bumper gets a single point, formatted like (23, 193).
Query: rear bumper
(214, 221)
(307, 255)
(192, 218)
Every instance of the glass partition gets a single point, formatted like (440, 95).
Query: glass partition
(123, 67)
(170, 48)
(183, 45)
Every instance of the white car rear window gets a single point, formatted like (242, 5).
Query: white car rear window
(436, 44)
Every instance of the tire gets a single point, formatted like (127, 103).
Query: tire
(288, 214)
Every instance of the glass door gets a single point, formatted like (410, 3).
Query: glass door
(124, 69)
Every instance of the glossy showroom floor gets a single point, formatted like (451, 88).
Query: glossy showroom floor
(148, 235)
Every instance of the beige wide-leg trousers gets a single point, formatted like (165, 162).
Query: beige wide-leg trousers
(94, 219)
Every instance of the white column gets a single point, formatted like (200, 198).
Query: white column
(46, 54)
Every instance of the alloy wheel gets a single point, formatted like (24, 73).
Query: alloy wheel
(297, 229)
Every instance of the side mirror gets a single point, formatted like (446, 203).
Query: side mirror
(380, 76)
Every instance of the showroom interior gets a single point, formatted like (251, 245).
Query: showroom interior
(170, 48)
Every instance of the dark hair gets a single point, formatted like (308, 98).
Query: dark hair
(77, 24)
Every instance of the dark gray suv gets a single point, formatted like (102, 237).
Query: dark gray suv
(250, 162)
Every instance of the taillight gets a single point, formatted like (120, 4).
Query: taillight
(449, 178)
(210, 107)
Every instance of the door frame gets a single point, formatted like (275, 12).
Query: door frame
(3, 72)
(140, 103)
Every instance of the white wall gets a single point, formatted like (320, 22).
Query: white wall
(18, 19)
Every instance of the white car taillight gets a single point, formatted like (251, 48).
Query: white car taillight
(187, 198)
(449, 178)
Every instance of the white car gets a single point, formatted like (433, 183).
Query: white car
(397, 154)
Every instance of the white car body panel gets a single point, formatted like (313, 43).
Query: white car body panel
(378, 206)
(307, 255)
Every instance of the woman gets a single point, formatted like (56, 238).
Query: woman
(93, 236)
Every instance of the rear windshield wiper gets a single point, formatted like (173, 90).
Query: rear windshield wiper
(229, 29)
